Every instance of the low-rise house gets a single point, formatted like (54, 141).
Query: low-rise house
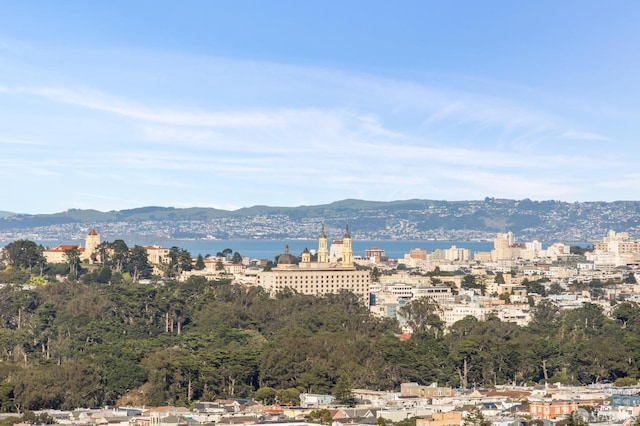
(432, 391)
(552, 409)
(398, 414)
(375, 399)
(451, 418)
(312, 400)
(353, 416)
(239, 420)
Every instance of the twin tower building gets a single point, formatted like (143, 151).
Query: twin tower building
(320, 277)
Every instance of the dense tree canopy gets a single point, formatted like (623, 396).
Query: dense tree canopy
(106, 339)
(24, 254)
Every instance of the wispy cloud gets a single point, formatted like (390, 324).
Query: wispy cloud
(446, 112)
(584, 136)
(100, 101)
(269, 133)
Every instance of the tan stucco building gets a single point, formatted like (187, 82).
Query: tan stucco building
(317, 278)
(87, 253)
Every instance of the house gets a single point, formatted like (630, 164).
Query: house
(353, 415)
(239, 420)
(312, 400)
(451, 418)
(420, 391)
(551, 409)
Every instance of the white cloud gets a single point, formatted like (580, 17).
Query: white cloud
(22, 142)
(100, 101)
(305, 130)
(585, 136)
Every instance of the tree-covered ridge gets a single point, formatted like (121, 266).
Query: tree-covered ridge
(547, 221)
(73, 344)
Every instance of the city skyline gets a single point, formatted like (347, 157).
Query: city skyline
(234, 104)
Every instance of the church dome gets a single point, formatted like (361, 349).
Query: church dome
(287, 258)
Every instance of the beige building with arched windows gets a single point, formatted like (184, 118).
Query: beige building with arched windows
(317, 278)
(88, 253)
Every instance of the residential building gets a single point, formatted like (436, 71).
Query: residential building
(451, 418)
(375, 255)
(335, 252)
(616, 249)
(452, 254)
(416, 390)
(552, 409)
(157, 255)
(312, 400)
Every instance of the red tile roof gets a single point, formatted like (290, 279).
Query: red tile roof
(65, 247)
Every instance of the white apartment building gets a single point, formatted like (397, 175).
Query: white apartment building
(442, 294)
(616, 249)
(452, 254)
(619, 242)
(387, 299)
(335, 251)
(519, 314)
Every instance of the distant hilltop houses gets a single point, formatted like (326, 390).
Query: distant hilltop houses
(504, 282)
(408, 220)
(507, 283)
(90, 252)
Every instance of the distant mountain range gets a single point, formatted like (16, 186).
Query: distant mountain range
(546, 221)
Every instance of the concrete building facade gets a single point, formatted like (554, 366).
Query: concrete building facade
(317, 278)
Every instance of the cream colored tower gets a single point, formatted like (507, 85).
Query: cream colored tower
(347, 251)
(306, 256)
(91, 245)
(323, 250)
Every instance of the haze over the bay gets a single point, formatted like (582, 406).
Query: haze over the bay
(227, 104)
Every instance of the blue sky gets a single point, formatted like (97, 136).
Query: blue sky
(228, 104)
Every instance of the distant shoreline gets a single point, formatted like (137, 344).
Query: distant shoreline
(268, 249)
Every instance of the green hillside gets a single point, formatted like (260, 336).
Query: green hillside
(70, 345)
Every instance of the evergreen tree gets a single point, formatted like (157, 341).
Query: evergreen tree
(199, 266)
(475, 418)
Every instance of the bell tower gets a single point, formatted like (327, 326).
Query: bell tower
(306, 256)
(323, 250)
(347, 251)
(91, 245)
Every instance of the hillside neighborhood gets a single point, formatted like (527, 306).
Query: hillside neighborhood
(506, 283)
(426, 405)
(546, 221)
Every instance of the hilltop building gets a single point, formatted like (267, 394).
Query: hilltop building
(325, 276)
(335, 252)
(453, 254)
(375, 255)
(88, 253)
(616, 249)
(157, 255)
(92, 241)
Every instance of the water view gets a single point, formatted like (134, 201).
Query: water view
(268, 249)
